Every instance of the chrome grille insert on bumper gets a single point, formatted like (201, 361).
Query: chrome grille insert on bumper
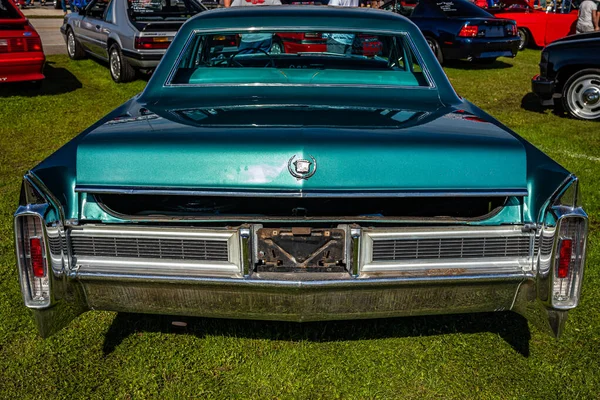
(447, 247)
(442, 248)
(171, 249)
(155, 251)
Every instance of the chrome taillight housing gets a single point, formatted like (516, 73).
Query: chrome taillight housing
(562, 272)
(32, 259)
(568, 259)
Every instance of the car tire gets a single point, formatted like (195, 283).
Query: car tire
(57, 4)
(581, 95)
(74, 48)
(435, 47)
(277, 47)
(524, 37)
(120, 70)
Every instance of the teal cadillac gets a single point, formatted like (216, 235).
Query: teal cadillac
(336, 182)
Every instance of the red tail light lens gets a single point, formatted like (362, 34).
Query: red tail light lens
(32, 260)
(152, 43)
(468, 31)
(19, 45)
(564, 261)
(37, 258)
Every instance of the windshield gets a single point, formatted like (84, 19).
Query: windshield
(150, 10)
(344, 58)
(7, 11)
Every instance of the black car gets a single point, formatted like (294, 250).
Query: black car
(458, 29)
(569, 76)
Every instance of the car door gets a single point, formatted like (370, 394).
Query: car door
(92, 30)
(560, 21)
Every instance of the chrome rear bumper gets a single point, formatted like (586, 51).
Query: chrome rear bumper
(516, 272)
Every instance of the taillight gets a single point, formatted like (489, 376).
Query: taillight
(511, 30)
(468, 31)
(34, 44)
(37, 257)
(565, 251)
(32, 260)
(19, 45)
(152, 43)
(569, 256)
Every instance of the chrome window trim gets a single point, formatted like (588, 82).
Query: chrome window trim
(298, 193)
(431, 83)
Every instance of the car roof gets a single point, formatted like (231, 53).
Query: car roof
(294, 16)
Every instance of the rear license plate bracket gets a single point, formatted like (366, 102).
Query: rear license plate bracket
(300, 249)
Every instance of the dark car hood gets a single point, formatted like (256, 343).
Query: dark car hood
(578, 38)
(242, 148)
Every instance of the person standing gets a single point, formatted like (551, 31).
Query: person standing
(341, 43)
(587, 17)
(598, 17)
(255, 42)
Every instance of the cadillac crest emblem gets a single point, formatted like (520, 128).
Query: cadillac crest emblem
(301, 168)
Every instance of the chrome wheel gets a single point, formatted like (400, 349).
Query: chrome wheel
(432, 45)
(523, 38)
(276, 48)
(71, 44)
(115, 64)
(583, 97)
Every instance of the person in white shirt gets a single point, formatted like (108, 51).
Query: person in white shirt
(341, 43)
(587, 18)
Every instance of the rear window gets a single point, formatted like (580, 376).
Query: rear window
(452, 9)
(312, 58)
(160, 10)
(7, 10)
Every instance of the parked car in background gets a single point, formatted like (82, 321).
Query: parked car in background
(539, 26)
(130, 34)
(21, 54)
(300, 187)
(569, 76)
(309, 42)
(458, 29)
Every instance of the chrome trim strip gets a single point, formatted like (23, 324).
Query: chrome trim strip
(298, 193)
(45, 192)
(325, 284)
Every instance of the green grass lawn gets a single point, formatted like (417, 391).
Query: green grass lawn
(110, 355)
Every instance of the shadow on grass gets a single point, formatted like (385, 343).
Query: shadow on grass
(530, 102)
(511, 327)
(58, 81)
(477, 64)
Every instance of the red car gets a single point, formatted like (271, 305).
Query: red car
(539, 25)
(21, 54)
(315, 42)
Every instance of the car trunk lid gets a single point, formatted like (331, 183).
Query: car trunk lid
(302, 149)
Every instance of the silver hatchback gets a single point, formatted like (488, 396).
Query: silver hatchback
(130, 34)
